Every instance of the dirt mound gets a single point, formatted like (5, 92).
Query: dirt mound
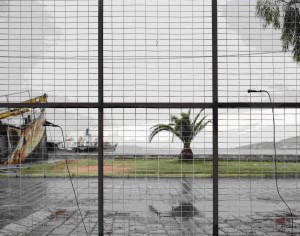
(92, 169)
(64, 162)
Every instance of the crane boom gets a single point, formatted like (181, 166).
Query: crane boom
(18, 111)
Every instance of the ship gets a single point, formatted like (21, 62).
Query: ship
(23, 135)
(88, 143)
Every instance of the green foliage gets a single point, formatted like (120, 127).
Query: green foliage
(291, 31)
(269, 10)
(169, 167)
(182, 127)
(284, 15)
(199, 168)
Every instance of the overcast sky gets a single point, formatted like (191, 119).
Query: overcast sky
(153, 53)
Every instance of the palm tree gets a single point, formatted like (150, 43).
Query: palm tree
(183, 128)
(284, 15)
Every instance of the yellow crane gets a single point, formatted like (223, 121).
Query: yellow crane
(27, 140)
(18, 111)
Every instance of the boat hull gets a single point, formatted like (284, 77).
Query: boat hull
(108, 148)
(31, 142)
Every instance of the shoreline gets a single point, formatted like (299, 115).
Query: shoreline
(197, 157)
(152, 168)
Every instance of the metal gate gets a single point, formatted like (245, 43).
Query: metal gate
(113, 71)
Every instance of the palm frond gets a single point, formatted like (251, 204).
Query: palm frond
(189, 113)
(175, 119)
(184, 128)
(195, 127)
(186, 115)
(162, 127)
(200, 126)
(196, 118)
(269, 11)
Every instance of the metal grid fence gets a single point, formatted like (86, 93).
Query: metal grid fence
(133, 58)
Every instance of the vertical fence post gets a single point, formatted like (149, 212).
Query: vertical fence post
(215, 115)
(100, 118)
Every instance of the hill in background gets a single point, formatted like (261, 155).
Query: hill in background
(289, 143)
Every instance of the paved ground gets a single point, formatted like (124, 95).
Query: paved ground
(147, 206)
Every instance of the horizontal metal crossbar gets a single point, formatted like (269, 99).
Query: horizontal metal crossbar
(148, 105)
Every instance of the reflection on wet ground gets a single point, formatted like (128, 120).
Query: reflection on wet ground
(163, 206)
(19, 198)
(185, 208)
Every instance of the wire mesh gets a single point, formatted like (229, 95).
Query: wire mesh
(158, 63)
(157, 51)
(258, 197)
(252, 56)
(49, 47)
(250, 199)
(49, 53)
(157, 190)
(42, 173)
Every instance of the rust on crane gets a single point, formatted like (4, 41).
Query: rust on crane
(28, 139)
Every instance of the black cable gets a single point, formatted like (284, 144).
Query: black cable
(76, 198)
(140, 57)
(275, 155)
(275, 163)
(47, 123)
(62, 132)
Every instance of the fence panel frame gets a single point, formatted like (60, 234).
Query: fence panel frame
(215, 105)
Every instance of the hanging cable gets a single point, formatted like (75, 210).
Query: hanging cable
(49, 124)
(275, 156)
(76, 198)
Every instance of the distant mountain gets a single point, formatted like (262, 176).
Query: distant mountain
(289, 143)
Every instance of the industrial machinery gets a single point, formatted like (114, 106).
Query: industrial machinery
(23, 134)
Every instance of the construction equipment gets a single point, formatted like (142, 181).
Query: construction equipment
(26, 140)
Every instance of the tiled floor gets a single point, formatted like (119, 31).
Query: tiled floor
(148, 206)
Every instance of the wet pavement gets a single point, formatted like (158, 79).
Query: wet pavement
(147, 206)
(17, 198)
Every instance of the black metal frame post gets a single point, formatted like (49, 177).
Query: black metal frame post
(246, 105)
(215, 116)
(100, 120)
(100, 105)
(175, 105)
